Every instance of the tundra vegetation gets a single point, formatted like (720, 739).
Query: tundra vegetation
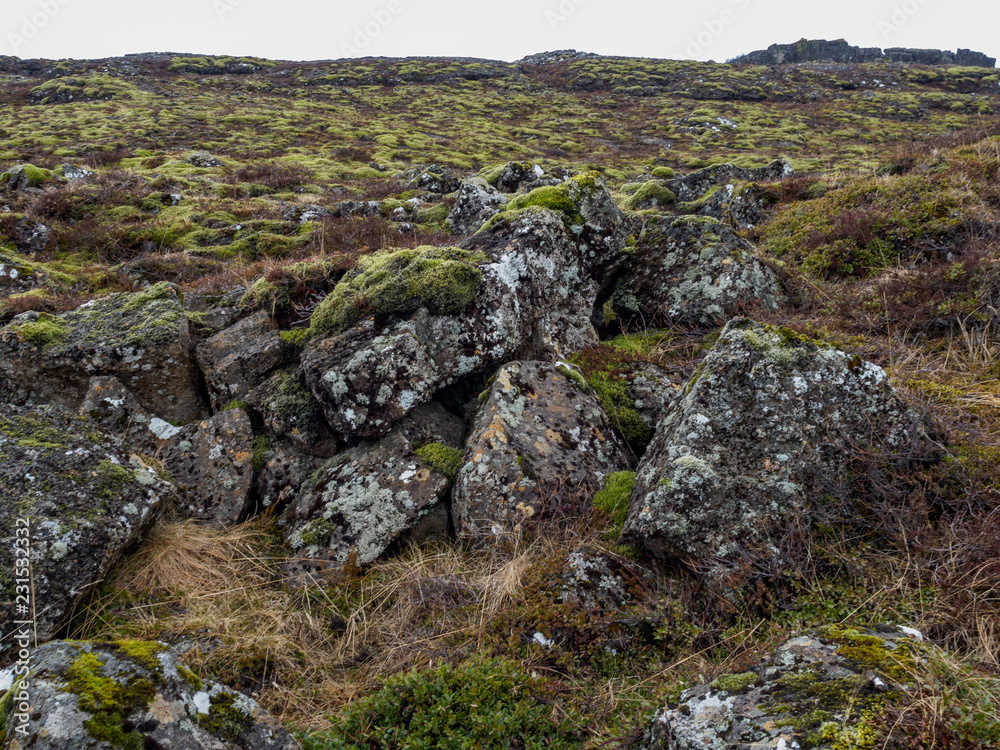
(278, 186)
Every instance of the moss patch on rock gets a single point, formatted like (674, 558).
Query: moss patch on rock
(441, 458)
(399, 282)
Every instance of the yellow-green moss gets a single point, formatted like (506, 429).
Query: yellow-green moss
(734, 683)
(441, 458)
(399, 282)
(46, 332)
(109, 701)
(653, 192)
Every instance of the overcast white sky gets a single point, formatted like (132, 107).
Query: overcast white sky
(508, 30)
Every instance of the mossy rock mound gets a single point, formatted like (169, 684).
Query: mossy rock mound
(131, 695)
(766, 437)
(70, 496)
(141, 338)
(824, 689)
(400, 282)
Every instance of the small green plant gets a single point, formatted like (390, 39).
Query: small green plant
(481, 703)
(612, 501)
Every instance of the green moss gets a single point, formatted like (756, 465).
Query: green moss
(613, 501)
(32, 433)
(612, 392)
(108, 700)
(481, 703)
(260, 445)
(575, 375)
(441, 458)
(653, 192)
(224, 719)
(735, 683)
(317, 533)
(146, 653)
(193, 681)
(663, 173)
(46, 332)
(399, 282)
(433, 215)
(111, 480)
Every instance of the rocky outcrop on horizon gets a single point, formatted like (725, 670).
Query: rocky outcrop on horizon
(821, 50)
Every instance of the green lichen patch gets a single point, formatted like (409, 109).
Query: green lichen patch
(145, 653)
(111, 479)
(399, 282)
(441, 458)
(32, 433)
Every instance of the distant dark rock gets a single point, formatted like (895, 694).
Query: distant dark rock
(821, 50)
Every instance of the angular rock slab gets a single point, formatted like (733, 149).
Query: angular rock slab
(814, 691)
(358, 504)
(290, 411)
(693, 271)
(759, 438)
(239, 358)
(477, 202)
(91, 695)
(211, 462)
(82, 502)
(142, 339)
(541, 445)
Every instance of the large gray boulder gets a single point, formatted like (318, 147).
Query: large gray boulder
(822, 689)
(141, 338)
(760, 439)
(477, 202)
(129, 694)
(540, 273)
(72, 499)
(540, 447)
(692, 271)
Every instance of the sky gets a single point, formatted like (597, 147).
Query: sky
(332, 29)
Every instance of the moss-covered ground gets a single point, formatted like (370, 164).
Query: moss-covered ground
(886, 241)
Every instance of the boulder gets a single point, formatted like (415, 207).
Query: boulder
(761, 439)
(89, 695)
(74, 172)
(359, 504)
(141, 338)
(286, 468)
(518, 173)
(238, 359)
(202, 159)
(692, 271)
(290, 411)
(527, 287)
(211, 462)
(477, 202)
(694, 185)
(71, 498)
(540, 447)
(822, 689)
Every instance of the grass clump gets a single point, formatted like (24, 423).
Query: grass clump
(441, 458)
(399, 282)
(612, 501)
(481, 703)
